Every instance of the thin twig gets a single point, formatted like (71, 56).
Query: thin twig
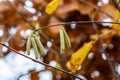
(34, 60)
(76, 22)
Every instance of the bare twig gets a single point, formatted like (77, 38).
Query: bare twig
(34, 60)
(76, 22)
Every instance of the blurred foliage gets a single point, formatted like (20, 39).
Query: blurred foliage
(79, 34)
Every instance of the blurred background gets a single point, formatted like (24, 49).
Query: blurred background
(18, 19)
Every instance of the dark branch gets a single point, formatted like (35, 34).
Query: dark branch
(64, 71)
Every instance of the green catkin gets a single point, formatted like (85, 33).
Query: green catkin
(66, 38)
(34, 47)
(28, 44)
(62, 43)
(39, 44)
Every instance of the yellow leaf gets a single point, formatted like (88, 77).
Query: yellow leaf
(117, 17)
(52, 6)
(78, 57)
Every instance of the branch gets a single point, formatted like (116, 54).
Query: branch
(34, 60)
(76, 22)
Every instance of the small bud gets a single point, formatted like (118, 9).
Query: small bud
(37, 26)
